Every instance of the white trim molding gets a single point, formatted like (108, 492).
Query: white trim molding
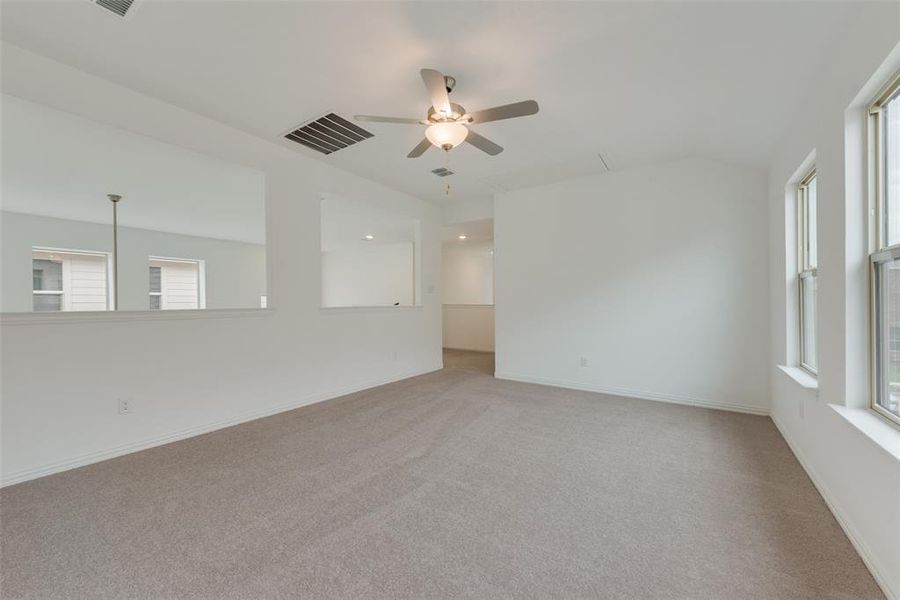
(803, 377)
(112, 316)
(478, 350)
(878, 430)
(638, 394)
(337, 310)
(468, 305)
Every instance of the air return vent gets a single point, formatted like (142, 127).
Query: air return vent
(328, 134)
(120, 7)
(442, 172)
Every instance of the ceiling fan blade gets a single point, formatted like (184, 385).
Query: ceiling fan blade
(483, 144)
(374, 119)
(420, 149)
(507, 111)
(437, 89)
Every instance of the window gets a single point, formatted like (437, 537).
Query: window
(176, 284)
(155, 287)
(69, 280)
(884, 260)
(806, 269)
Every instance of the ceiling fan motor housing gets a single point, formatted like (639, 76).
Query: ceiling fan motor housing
(457, 112)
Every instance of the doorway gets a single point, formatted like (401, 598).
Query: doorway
(468, 293)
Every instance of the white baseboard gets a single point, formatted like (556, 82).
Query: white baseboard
(867, 556)
(491, 350)
(642, 395)
(106, 454)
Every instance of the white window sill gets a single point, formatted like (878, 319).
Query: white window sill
(363, 309)
(882, 433)
(44, 318)
(801, 376)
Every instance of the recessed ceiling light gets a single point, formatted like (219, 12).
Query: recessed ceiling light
(369, 237)
(462, 237)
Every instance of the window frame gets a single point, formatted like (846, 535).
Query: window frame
(201, 282)
(152, 294)
(63, 293)
(879, 251)
(806, 266)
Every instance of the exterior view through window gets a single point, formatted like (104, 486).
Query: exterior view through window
(69, 280)
(884, 152)
(177, 284)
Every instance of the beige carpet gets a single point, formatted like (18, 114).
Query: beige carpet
(483, 362)
(447, 485)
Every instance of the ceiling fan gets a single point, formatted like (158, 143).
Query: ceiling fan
(447, 121)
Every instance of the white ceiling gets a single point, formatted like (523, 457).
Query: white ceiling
(56, 164)
(475, 231)
(638, 82)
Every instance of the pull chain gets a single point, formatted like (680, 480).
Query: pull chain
(447, 166)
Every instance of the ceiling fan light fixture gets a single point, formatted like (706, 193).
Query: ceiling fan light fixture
(447, 121)
(446, 135)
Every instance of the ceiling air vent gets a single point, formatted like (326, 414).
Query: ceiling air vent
(120, 7)
(442, 172)
(328, 134)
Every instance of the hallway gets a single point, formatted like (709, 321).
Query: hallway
(468, 360)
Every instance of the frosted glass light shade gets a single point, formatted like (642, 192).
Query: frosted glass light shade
(444, 135)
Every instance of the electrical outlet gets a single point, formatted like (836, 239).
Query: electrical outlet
(126, 406)
(583, 361)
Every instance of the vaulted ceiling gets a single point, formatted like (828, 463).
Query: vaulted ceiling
(633, 82)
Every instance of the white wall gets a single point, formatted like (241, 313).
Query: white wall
(469, 327)
(235, 271)
(224, 367)
(467, 271)
(369, 275)
(461, 211)
(656, 276)
(468, 295)
(859, 479)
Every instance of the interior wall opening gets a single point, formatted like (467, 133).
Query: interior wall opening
(467, 301)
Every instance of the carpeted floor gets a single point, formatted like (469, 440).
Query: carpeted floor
(448, 485)
(483, 362)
